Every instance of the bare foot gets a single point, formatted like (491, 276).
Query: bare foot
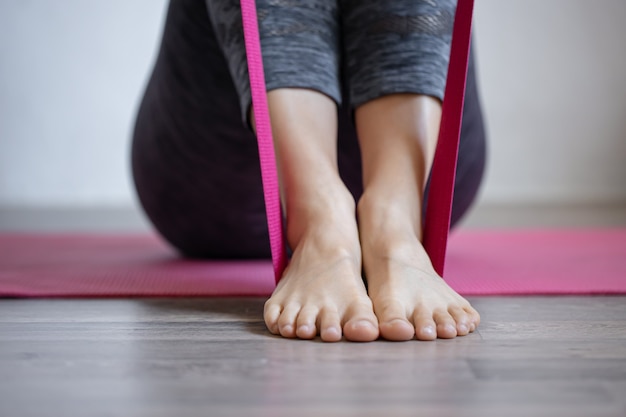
(322, 291)
(398, 136)
(410, 299)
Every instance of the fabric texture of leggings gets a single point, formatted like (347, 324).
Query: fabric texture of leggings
(355, 50)
(195, 161)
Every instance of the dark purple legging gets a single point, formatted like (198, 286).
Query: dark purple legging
(195, 162)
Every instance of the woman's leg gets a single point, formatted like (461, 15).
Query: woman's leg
(471, 159)
(398, 135)
(397, 56)
(195, 162)
(322, 290)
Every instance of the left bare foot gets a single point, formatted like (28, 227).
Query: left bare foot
(398, 135)
(410, 299)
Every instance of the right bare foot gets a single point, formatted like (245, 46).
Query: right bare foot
(322, 291)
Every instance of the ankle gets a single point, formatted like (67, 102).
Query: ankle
(328, 210)
(388, 218)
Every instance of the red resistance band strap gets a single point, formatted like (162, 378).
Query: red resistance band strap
(440, 194)
(439, 206)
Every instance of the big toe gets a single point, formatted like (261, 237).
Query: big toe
(394, 325)
(397, 329)
(361, 324)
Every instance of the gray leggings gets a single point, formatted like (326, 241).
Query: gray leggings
(195, 161)
(367, 48)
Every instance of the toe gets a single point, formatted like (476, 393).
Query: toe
(462, 320)
(474, 318)
(287, 321)
(361, 324)
(271, 313)
(393, 323)
(446, 326)
(425, 326)
(330, 325)
(306, 323)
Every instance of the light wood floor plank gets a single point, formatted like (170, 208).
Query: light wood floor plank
(533, 356)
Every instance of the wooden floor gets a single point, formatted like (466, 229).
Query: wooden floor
(532, 356)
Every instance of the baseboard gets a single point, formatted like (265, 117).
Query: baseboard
(73, 219)
(484, 215)
(492, 215)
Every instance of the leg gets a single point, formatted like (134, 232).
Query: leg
(195, 162)
(398, 135)
(322, 290)
(397, 56)
(471, 160)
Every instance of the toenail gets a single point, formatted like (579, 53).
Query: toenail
(364, 323)
(332, 331)
(450, 328)
(463, 328)
(428, 331)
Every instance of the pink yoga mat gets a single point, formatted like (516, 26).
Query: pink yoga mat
(478, 263)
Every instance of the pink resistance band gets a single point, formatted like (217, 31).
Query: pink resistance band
(439, 206)
(265, 140)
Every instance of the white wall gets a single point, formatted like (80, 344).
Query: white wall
(71, 73)
(553, 76)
